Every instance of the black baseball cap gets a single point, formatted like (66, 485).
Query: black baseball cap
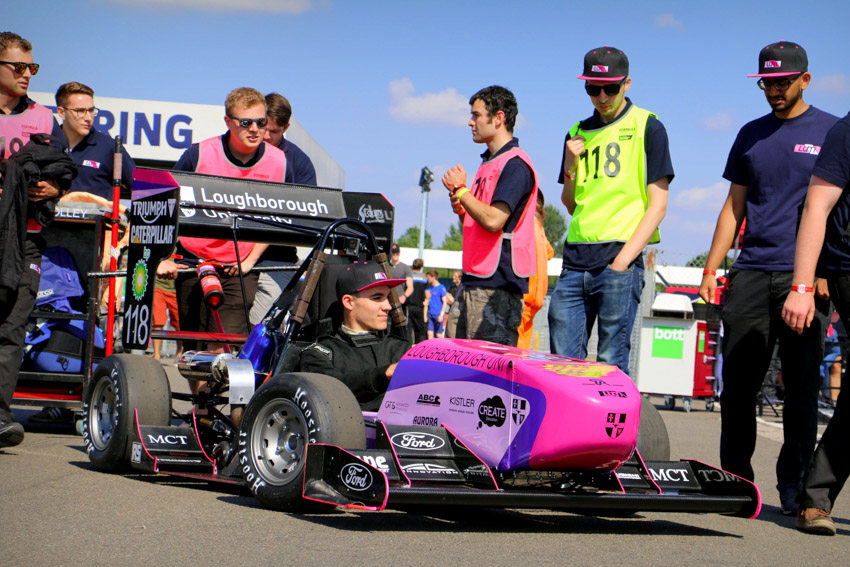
(605, 64)
(363, 275)
(395, 249)
(782, 59)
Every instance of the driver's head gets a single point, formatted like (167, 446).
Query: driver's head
(364, 289)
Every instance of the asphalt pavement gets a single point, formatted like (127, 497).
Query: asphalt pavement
(57, 510)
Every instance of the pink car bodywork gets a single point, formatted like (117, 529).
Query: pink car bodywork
(517, 409)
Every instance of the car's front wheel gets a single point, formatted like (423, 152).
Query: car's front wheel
(284, 415)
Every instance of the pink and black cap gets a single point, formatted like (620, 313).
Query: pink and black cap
(605, 64)
(782, 59)
(363, 275)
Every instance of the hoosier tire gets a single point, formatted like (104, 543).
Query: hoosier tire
(285, 414)
(121, 384)
(653, 441)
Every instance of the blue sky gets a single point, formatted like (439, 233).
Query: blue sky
(383, 85)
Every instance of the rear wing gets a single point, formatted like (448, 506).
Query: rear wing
(167, 204)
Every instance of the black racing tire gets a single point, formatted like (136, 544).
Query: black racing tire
(285, 413)
(653, 441)
(121, 384)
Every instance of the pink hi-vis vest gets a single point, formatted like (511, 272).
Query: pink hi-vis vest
(213, 161)
(16, 129)
(482, 248)
(15, 132)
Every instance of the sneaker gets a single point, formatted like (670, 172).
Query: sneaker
(788, 498)
(53, 415)
(11, 433)
(815, 521)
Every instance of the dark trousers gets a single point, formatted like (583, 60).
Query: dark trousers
(416, 330)
(831, 464)
(15, 309)
(195, 315)
(752, 323)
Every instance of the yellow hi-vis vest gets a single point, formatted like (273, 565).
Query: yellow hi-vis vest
(611, 181)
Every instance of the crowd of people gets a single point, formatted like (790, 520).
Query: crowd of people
(615, 173)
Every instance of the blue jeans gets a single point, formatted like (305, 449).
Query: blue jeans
(583, 297)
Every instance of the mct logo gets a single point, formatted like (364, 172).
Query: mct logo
(668, 342)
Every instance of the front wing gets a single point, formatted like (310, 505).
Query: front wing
(429, 465)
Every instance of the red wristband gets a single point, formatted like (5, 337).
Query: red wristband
(802, 288)
(709, 273)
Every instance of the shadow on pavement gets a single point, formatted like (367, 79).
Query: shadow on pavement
(488, 520)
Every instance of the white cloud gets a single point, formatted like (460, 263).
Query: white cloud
(837, 84)
(273, 6)
(668, 21)
(719, 121)
(445, 107)
(702, 198)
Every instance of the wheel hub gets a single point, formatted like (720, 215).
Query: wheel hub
(277, 442)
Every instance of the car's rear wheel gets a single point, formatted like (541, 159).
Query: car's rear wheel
(653, 441)
(284, 415)
(121, 384)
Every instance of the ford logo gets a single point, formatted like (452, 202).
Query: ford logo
(356, 477)
(417, 441)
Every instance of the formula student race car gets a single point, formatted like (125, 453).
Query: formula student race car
(463, 423)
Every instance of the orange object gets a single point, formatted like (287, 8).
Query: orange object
(538, 285)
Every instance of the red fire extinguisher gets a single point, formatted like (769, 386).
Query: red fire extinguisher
(210, 284)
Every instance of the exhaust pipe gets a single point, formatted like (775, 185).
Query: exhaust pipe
(204, 366)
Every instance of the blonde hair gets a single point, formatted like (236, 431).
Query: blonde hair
(243, 96)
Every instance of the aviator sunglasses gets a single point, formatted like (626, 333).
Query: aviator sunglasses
(610, 90)
(20, 67)
(246, 122)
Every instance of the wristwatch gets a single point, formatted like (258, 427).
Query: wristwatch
(802, 288)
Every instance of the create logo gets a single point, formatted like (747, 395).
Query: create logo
(668, 342)
(599, 69)
(492, 412)
(772, 64)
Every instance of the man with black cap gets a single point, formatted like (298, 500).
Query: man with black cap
(360, 353)
(769, 167)
(616, 172)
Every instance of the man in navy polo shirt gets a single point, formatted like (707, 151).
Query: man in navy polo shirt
(299, 166)
(823, 234)
(300, 170)
(769, 167)
(91, 150)
(93, 153)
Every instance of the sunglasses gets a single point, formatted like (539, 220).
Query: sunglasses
(610, 90)
(246, 122)
(778, 84)
(20, 67)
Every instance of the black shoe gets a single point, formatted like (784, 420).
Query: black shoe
(53, 415)
(11, 433)
(788, 498)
